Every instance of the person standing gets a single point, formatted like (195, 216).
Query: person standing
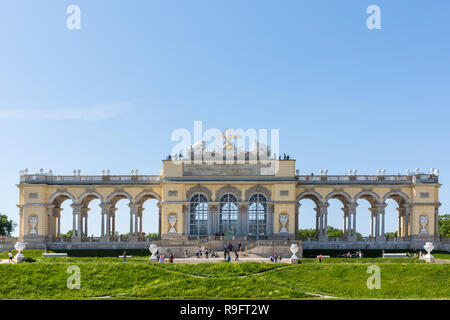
(239, 246)
(185, 253)
(171, 258)
(124, 255)
(161, 258)
(236, 258)
(320, 257)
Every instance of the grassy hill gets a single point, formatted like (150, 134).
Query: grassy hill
(108, 277)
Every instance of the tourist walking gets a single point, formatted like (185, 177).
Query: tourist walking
(320, 257)
(161, 258)
(171, 258)
(10, 255)
(236, 258)
(239, 246)
(124, 255)
(279, 258)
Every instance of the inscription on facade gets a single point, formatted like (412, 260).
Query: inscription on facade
(257, 169)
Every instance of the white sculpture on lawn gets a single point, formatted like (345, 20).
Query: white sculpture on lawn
(428, 247)
(19, 246)
(294, 249)
(172, 221)
(284, 220)
(153, 249)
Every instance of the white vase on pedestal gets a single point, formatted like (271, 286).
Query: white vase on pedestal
(153, 249)
(428, 247)
(19, 246)
(294, 249)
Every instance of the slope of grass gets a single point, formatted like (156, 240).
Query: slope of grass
(108, 277)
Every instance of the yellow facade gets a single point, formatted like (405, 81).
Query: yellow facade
(41, 196)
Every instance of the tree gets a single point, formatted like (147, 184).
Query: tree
(331, 232)
(6, 226)
(444, 225)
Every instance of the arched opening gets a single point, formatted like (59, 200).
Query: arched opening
(90, 215)
(62, 215)
(148, 223)
(228, 215)
(336, 219)
(257, 216)
(339, 215)
(397, 215)
(308, 221)
(367, 207)
(198, 215)
(119, 215)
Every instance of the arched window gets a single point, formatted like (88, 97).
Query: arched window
(257, 215)
(198, 215)
(228, 214)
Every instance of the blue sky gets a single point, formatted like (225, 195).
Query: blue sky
(108, 96)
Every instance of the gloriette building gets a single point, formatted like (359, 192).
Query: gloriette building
(247, 200)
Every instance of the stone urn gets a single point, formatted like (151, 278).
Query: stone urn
(284, 220)
(153, 249)
(19, 246)
(172, 221)
(294, 249)
(429, 246)
(423, 220)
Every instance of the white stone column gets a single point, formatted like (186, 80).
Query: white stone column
(349, 224)
(317, 224)
(50, 222)
(344, 229)
(323, 209)
(381, 212)
(352, 214)
(134, 207)
(76, 231)
(103, 225)
(106, 230)
(407, 219)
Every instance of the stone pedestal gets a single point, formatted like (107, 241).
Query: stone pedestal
(293, 261)
(153, 260)
(19, 258)
(428, 258)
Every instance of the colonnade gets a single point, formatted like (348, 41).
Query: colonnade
(108, 220)
(377, 220)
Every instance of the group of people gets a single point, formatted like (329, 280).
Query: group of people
(285, 157)
(275, 258)
(202, 251)
(228, 248)
(161, 257)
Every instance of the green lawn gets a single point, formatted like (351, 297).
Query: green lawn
(108, 277)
